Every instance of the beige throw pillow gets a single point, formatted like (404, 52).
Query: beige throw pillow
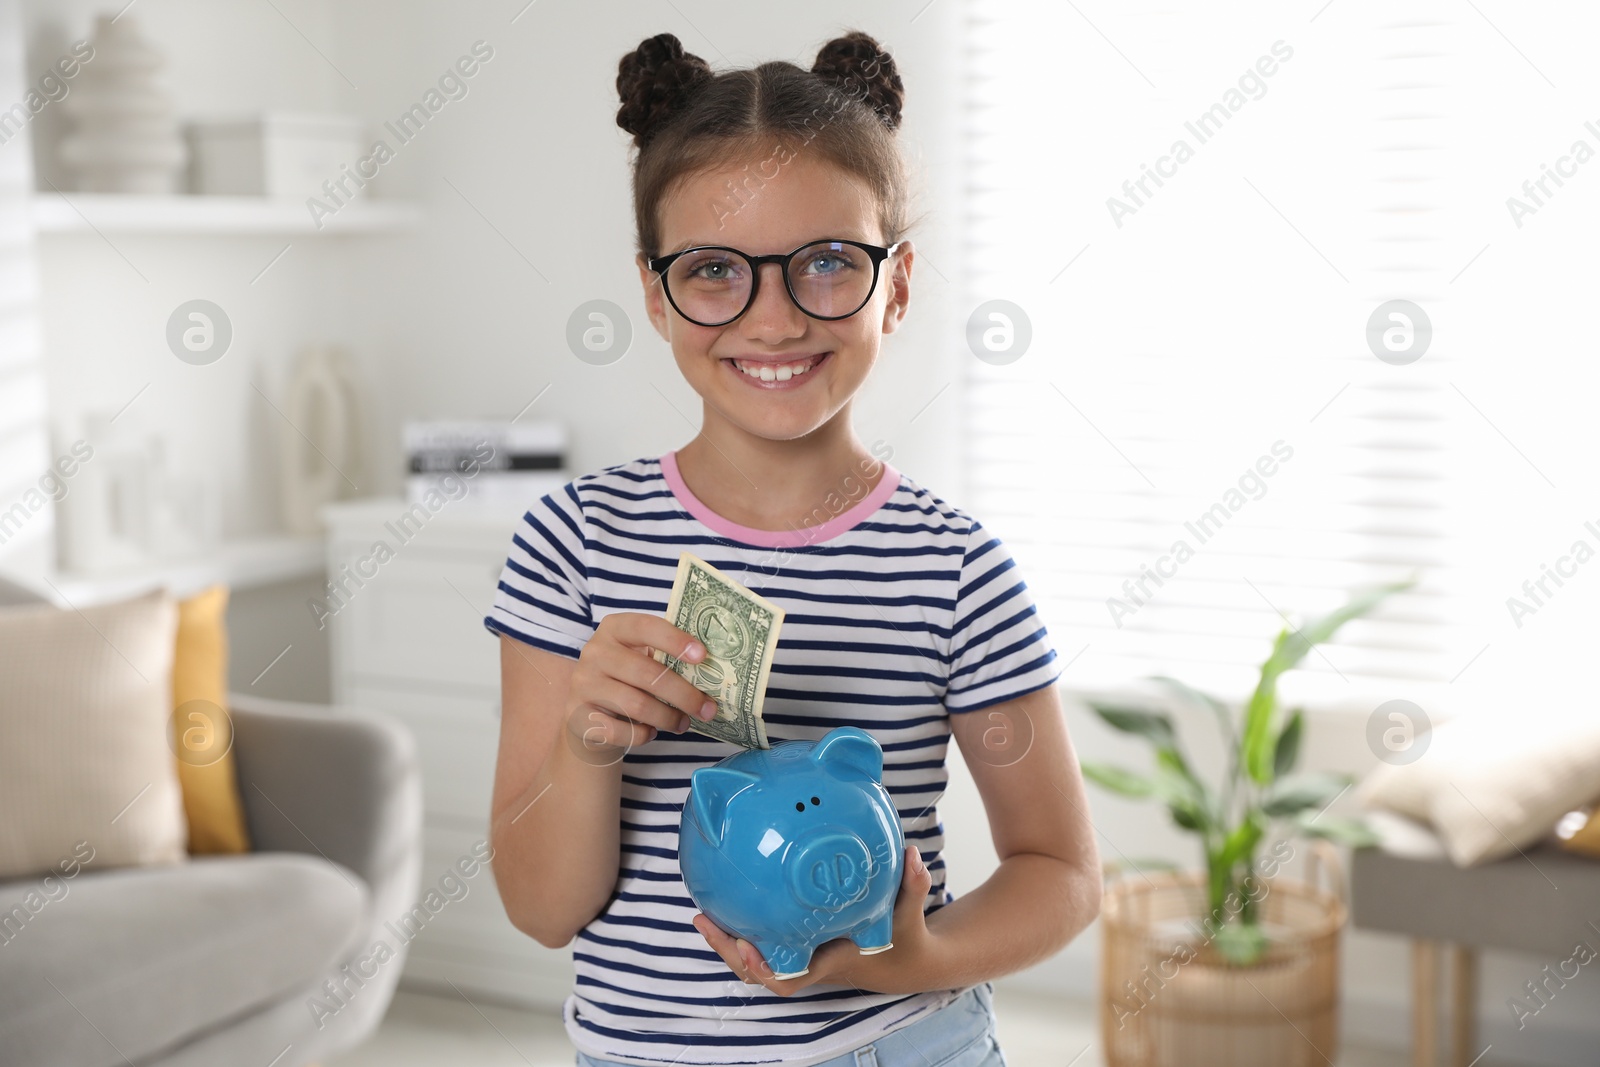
(85, 698)
(1489, 787)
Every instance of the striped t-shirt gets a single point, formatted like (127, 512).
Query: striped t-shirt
(898, 608)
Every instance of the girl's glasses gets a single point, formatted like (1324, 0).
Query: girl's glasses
(712, 285)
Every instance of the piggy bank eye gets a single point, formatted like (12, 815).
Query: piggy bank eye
(815, 801)
(799, 805)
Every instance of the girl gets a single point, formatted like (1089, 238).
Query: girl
(771, 212)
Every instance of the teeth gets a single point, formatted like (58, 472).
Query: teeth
(769, 372)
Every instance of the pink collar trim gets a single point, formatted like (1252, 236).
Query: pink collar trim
(799, 537)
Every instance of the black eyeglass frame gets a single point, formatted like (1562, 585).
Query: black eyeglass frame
(877, 253)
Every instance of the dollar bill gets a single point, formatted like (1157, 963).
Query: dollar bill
(740, 633)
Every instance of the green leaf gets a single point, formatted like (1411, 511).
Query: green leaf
(1188, 818)
(1172, 761)
(1343, 830)
(1124, 782)
(1241, 943)
(1319, 630)
(1185, 795)
(1290, 647)
(1241, 842)
(1255, 742)
(1296, 793)
(1217, 882)
(1200, 698)
(1151, 725)
(1287, 752)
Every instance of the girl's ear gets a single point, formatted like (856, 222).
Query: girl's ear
(655, 301)
(897, 283)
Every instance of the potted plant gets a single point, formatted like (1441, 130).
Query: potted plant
(1228, 965)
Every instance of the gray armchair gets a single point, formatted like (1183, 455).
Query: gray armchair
(280, 956)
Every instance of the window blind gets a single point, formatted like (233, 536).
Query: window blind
(1197, 213)
(26, 515)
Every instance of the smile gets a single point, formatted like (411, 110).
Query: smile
(771, 375)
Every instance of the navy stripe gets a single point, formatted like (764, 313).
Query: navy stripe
(809, 994)
(530, 637)
(720, 1036)
(548, 538)
(1012, 695)
(544, 604)
(561, 513)
(623, 494)
(1007, 626)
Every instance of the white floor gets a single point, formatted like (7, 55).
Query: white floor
(1035, 1031)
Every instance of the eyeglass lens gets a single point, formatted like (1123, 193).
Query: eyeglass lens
(827, 278)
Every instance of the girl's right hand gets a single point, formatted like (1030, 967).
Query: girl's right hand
(620, 696)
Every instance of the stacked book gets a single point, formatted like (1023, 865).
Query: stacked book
(493, 463)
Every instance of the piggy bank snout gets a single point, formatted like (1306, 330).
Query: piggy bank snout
(831, 871)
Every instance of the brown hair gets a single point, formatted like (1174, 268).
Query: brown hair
(685, 120)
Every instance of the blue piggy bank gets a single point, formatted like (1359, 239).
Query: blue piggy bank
(795, 845)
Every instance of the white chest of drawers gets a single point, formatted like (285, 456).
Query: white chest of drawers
(407, 639)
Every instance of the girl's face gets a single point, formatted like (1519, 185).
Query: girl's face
(808, 200)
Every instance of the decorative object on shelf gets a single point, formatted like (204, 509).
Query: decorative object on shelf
(320, 451)
(499, 463)
(124, 507)
(103, 519)
(124, 136)
(276, 154)
(1182, 952)
(184, 516)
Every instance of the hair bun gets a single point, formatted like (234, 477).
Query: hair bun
(866, 72)
(653, 80)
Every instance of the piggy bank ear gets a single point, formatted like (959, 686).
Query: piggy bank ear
(850, 753)
(710, 791)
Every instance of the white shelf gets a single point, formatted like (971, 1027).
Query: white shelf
(212, 215)
(240, 564)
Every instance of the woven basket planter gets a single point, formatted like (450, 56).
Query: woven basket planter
(1169, 998)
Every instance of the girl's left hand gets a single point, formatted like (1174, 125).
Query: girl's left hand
(838, 961)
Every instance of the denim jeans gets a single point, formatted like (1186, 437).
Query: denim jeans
(961, 1034)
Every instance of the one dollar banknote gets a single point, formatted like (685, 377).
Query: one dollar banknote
(740, 633)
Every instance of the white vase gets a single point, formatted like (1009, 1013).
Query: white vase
(124, 136)
(319, 453)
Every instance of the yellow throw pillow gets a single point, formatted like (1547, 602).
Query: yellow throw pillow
(1579, 832)
(202, 728)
